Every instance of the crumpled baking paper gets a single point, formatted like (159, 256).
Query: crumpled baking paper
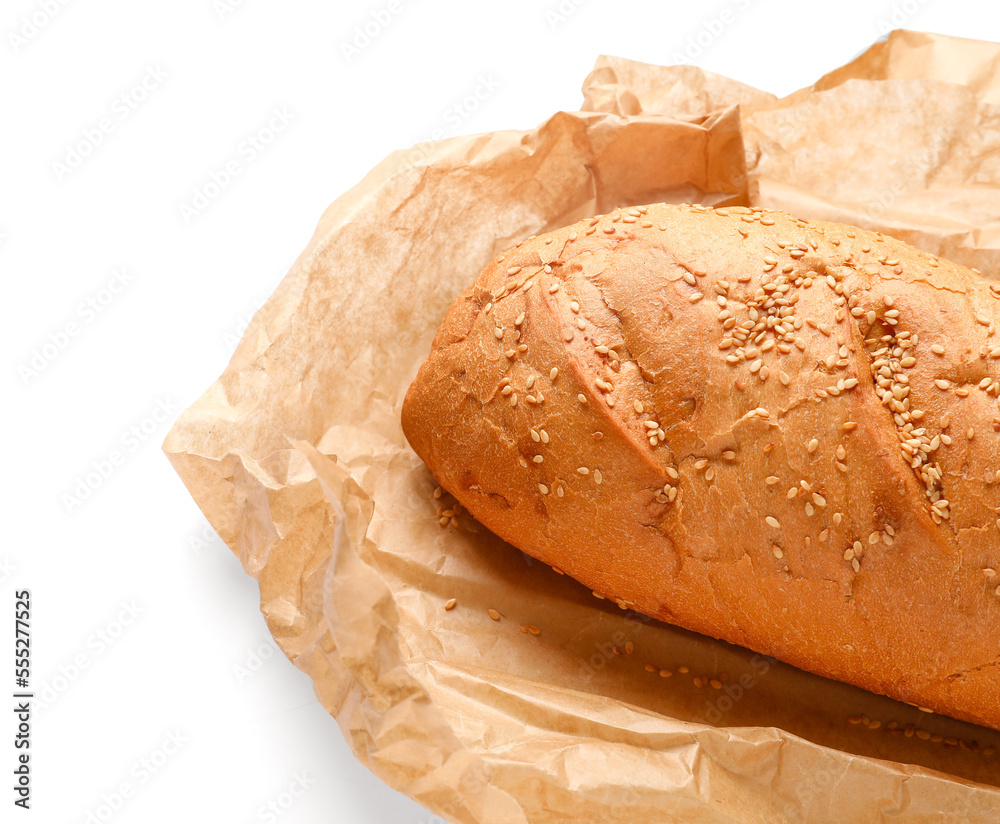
(568, 708)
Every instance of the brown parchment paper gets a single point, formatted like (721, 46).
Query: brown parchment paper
(296, 457)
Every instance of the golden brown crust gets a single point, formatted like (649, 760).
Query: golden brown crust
(778, 432)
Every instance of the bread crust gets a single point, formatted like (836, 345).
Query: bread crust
(778, 432)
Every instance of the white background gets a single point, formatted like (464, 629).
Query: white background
(144, 624)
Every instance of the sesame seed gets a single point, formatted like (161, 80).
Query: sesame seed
(538, 458)
(544, 435)
(553, 373)
(650, 668)
(772, 522)
(543, 489)
(849, 426)
(942, 384)
(583, 470)
(498, 332)
(535, 436)
(777, 552)
(665, 673)
(637, 405)
(493, 614)
(450, 604)
(534, 630)
(813, 445)
(513, 270)
(581, 398)
(513, 400)
(598, 477)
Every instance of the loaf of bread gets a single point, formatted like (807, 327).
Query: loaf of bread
(779, 432)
